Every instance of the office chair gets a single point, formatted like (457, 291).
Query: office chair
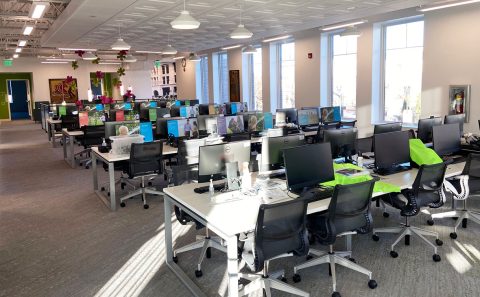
(92, 136)
(183, 174)
(145, 160)
(461, 187)
(69, 122)
(280, 232)
(348, 123)
(348, 214)
(426, 191)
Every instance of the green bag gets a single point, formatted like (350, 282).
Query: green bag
(422, 155)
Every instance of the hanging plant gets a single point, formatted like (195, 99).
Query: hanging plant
(121, 71)
(96, 61)
(74, 65)
(121, 55)
(80, 53)
(99, 74)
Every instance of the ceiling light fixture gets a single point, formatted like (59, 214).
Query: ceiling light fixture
(27, 30)
(60, 60)
(148, 52)
(169, 50)
(250, 49)
(120, 44)
(352, 31)
(230, 47)
(178, 58)
(193, 57)
(54, 62)
(38, 9)
(185, 21)
(130, 59)
(446, 5)
(277, 38)
(109, 63)
(241, 32)
(343, 25)
(77, 49)
(15, 56)
(22, 42)
(18, 50)
(89, 56)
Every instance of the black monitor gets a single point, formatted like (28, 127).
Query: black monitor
(162, 111)
(162, 130)
(307, 117)
(162, 103)
(455, 119)
(203, 109)
(194, 102)
(144, 111)
(228, 108)
(272, 150)
(290, 114)
(446, 139)
(342, 141)
(212, 159)
(174, 111)
(388, 127)
(307, 166)
(392, 152)
(425, 126)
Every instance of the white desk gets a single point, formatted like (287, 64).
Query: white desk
(227, 219)
(51, 130)
(71, 135)
(110, 159)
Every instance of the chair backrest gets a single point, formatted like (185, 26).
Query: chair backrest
(145, 159)
(428, 184)
(70, 122)
(472, 169)
(93, 135)
(280, 229)
(349, 209)
(184, 174)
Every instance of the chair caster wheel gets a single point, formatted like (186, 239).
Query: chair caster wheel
(386, 214)
(208, 254)
(122, 204)
(464, 223)
(81, 164)
(453, 235)
(87, 167)
(146, 206)
(393, 254)
(198, 273)
(438, 242)
(375, 237)
(407, 239)
(102, 189)
(297, 278)
(352, 260)
(149, 184)
(122, 185)
(436, 258)
(336, 294)
(430, 222)
(284, 279)
(309, 257)
(175, 259)
(108, 194)
(372, 284)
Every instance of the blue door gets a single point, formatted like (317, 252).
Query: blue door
(19, 105)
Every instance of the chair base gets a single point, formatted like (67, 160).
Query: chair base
(141, 191)
(332, 259)
(460, 214)
(260, 282)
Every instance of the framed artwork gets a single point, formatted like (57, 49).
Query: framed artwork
(234, 76)
(459, 100)
(61, 90)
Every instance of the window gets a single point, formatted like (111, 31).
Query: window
(403, 65)
(252, 79)
(167, 68)
(282, 75)
(343, 88)
(220, 78)
(201, 79)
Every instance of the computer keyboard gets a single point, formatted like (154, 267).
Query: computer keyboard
(317, 194)
(453, 159)
(204, 189)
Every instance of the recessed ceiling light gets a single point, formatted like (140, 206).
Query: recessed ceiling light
(231, 47)
(15, 56)
(277, 38)
(148, 52)
(18, 50)
(329, 28)
(27, 30)
(38, 8)
(446, 5)
(54, 62)
(178, 58)
(22, 42)
(77, 49)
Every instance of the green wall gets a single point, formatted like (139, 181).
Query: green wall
(4, 114)
(107, 82)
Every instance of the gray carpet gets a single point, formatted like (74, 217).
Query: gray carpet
(58, 239)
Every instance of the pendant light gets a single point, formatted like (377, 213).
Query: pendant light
(169, 49)
(185, 21)
(130, 59)
(89, 56)
(241, 32)
(120, 44)
(193, 57)
(250, 49)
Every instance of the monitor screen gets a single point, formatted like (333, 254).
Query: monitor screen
(308, 165)
(183, 127)
(234, 124)
(256, 122)
(130, 115)
(212, 159)
(203, 109)
(280, 118)
(127, 128)
(95, 118)
(272, 150)
(112, 127)
(391, 149)
(446, 139)
(189, 111)
(308, 117)
(330, 114)
(425, 129)
(290, 114)
(342, 141)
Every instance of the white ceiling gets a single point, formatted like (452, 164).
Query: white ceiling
(145, 24)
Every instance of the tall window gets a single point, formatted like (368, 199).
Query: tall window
(344, 74)
(201, 79)
(252, 79)
(403, 71)
(287, 66)
(220, 77)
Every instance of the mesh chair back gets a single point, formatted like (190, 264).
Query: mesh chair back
(145, 159)
(182, 152)
(349, 208)
(184, 174)
(280, 229)
(70, 122)
(472, 169)
(428, 184)
(93, 135)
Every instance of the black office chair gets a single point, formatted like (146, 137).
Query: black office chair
(184, 174)
(348, 123)
(145, 160)
(70, 122)
(348, 214)
(462, 187)
(426, 191)
(92, 136)
(280, 232)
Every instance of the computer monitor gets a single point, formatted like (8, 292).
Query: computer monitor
(228, 108)
(174, 111)
(307, 166)
(272, 150)
(425, 126)
(111, 127)
(162, 131)
(161, 112)
(455, 119)
(342, 141)
(446, 139)
(203, 109)
(290, 114)
(280, 118)
(256, 122)
(330, 114)
(307, 117)
(212, 159)
(392, 151)
(234, 124)
(202, 121)
(388, 127)
(183, 127)
(143, 111)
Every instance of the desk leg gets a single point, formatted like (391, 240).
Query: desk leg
(64, 139)
(232, 266)
(95, 173)
(111, 175)
(49, 132)
(72, 151)
(52, 135)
